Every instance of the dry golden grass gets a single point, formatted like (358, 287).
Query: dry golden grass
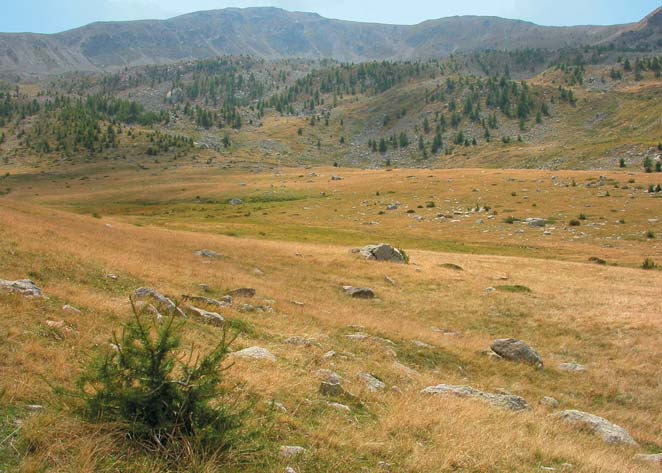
(606, 317)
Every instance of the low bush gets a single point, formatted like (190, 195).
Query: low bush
(161, 395)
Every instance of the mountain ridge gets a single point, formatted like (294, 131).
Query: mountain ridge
(273, 33)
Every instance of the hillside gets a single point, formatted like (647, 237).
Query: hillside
(273, 33)
(478, 271)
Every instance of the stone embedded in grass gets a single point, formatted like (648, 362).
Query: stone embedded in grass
(332, 389)
(382, 252)
(516, 350)
(211, 318)
(372, 383)
(608, 432)
(235, 201)
(550, 402)
(328, 376)
(246, 292)
(505, 401)
(255, 353)
(655, 458)
(300, 341)
(359, 292)
(535, 222)
(71, 309)
(208, 254)
(24, 287)
(164, 303)
(451, 266)
(572, 367)
(336, 178)
(226, 302)
(339, 407)
(288, 451)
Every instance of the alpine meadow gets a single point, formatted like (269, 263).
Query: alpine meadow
(255, 240)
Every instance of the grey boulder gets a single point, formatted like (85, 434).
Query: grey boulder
(24, 287)
(516, 350)
(382, 252)
(504, 401)
(610, 433)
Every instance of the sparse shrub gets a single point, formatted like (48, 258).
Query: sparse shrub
(430, 205)
(514, 288)
(650, 234)
(596, 260)
(648, 264)
(648, 164)
(159, 393)
(510, 220)
(622, 163)
(582, 217)
(405, 256)
(574, 223)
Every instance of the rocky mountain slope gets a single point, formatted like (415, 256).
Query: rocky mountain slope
(275, 33)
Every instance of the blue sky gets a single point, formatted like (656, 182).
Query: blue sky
(49, 16)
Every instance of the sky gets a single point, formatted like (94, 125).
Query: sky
(50, 16)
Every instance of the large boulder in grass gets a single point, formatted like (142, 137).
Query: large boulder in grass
(610, 433)
(516, 350)
(24, 287)
(504, 401)
(383, 252)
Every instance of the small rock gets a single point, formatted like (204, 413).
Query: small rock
(278, 406)
(300, 341)
(655, 458)
(572, 367)
(328, 376)
(535, 222)
(246, 292)
(208, 254)
(389, 280)
(339, 407)
(34, 407)
(336, 178)
(359, 292)
(550, 402)
(70, 308)
(289, 469)
(372, 383)
(211, 318)
(331, 389)
(610, 433)
(147, 293)
(207, 301)
(516, 350)
(288, 451)
(235, 201)
(255, 353)
(504, 401)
